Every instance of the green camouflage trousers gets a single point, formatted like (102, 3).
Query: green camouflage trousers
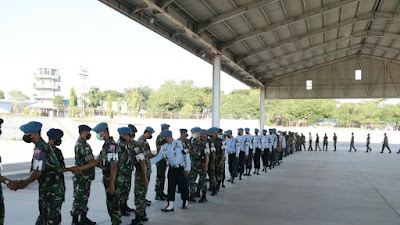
(140, 192)
(219, 171)
(113, 201)
(81, 196)
(160, 179)
(202, 180)
(1, 207)
(125, 180)
(50, 201)
(148, 177)
(277, 155)
(211, 176)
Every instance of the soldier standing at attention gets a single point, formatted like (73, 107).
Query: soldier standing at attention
(82, 182)
(385, 143)
(124, 170)
(136, 156)
(242, 155)
(264, 149)
(161, 168)
(222, 138)
(317, 143)
(211, 164)
(233, 151)
(310, 142)
(325, 144)
(47, 170)
(200, 158)
(352, 143)
(219, 158)
(179, 167)
(334, 141)
(249, 148)
(142, 140)
(256, 151)
(368, 142)
(108, 162)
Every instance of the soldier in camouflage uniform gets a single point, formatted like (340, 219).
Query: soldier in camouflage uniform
(211, 165)
(82, 182)
(47, 170)
(108, 162)
(161, 168)
(219, 158)
(125, 169)
(200, 158)
(148, 134)
(134, 153)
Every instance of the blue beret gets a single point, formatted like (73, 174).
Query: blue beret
(149, 129)
(31, 127)
(1, 121)
(247, 129)
(220, 130)
(240, 129)
(256, 130)
(100, 127)
(211, 130)
(124, 130)
(55, 134)
(270, 129)
(166, 133)
(133, 128)
(265, 130)
(84, 128)
(228, 132)
(203, 131)
(196, 129)
(183, 130)
(164, 125)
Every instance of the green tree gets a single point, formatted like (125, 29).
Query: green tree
(1, 94)
(58, 101)
(95, 97)
(119, 106)
(16, 95)
(186, 111)
(114, 95)
(73, 102)
(109, 105)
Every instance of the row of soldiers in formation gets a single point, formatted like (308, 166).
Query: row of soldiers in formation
(203, 154)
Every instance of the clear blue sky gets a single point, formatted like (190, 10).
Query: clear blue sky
(66, 34)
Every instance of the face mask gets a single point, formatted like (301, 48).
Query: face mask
(58, 142)
(133, 135)
(121, 138)
(150, 137)
(163, 141)
(0, 132)
(99, 137)
(88, 136)
(194, 136)
(220, 136)
(27, 138)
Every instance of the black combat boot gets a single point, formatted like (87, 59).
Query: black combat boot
(159, 196)
(214, 193)
(85, 220)
(184, 204)
(127, 208)
(75, 220)
(191, 198)
(240, 176)
(123, 211)
(197, 194)
(223, 183)
(203, 198)
(145, 218)
(137, 220)
(218, 185)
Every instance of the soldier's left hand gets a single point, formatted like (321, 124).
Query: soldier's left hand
(146, 182)
(186, 173)
(246, 157)
(22, 184)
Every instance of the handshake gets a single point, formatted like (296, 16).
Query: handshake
(17, 184)
(74, 170)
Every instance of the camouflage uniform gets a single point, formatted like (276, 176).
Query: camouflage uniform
(146, 150)
(125, 169)
(210, 171)
(109, 154)
(51, 190)
(136, 155)
(219, 169)
(60, 158)
(83, 153)
(198, 163)
(1, 200)
(161, 169)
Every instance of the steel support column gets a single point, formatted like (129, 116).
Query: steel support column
(216, 87)
(262, 108)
